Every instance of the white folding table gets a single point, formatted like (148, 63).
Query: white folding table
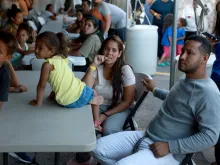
(48, 128)
(56, 26)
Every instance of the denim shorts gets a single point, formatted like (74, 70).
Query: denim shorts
(86, 96)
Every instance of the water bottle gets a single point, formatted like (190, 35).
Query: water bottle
(64, 25)
(64, 19)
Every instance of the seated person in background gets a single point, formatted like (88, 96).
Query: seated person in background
(92, 43)
(79, 25)
(22, 47)
(15, 18)
(49, 14)
(186, 123)
(86, 5)
(8, 79)
(67, 90)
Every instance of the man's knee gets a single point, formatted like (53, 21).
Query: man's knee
(99, 152)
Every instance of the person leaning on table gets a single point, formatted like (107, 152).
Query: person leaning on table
(8, 79)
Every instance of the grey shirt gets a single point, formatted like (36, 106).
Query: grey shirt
(118, 16)
(189, 118)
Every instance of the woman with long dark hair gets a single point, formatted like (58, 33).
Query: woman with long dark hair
(216, 71)
(113, 79)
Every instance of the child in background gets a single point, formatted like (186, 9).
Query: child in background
(181, 34)
(79, 25)
(22, 47)
(15, 18)
(67, 90)
(166, 40)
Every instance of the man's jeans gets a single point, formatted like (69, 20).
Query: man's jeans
(117, 149)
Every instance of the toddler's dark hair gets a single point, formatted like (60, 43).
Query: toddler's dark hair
(9, 40)
(183, 22)
(11, 13)
(57, 43)
(168, 21)
(24, 26)
(81, 11)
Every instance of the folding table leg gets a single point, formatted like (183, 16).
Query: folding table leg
(5, 158)
(57, 158)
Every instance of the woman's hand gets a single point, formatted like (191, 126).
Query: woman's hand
(98, 60)
(158, 16)
(34, 103)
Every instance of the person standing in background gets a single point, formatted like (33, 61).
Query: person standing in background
(189, 14)
(159, 9)
(147, 7)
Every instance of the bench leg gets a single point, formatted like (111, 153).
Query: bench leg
(57, 158)
(5, 158)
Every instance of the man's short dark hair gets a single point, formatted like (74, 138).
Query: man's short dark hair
(87, 1)
(205, 47)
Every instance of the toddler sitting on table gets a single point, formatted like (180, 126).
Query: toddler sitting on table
(22, 47)
(67, 90)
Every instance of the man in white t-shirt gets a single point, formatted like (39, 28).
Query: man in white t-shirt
(189, 14)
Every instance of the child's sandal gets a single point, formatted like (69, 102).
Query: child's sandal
(98, 126)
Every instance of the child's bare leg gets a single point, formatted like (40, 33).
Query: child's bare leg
(97, 100)
(162, 59)
(95, 112)
(97, 123)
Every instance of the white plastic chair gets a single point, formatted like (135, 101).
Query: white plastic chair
(36, 64)
(41, 20)
(32, 24)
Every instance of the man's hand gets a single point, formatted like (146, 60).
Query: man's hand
(34, 103)
(149, 84)
(159, 149)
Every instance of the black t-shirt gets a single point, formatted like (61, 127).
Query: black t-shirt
(4, 83)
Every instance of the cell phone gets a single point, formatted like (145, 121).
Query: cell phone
(215, 38)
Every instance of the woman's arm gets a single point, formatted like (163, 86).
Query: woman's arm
(23, 7)
(127, 100)
(45, 70)
(29, 3)
(107, 23)
(15, 85)
(88, 77)
(155, 14)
